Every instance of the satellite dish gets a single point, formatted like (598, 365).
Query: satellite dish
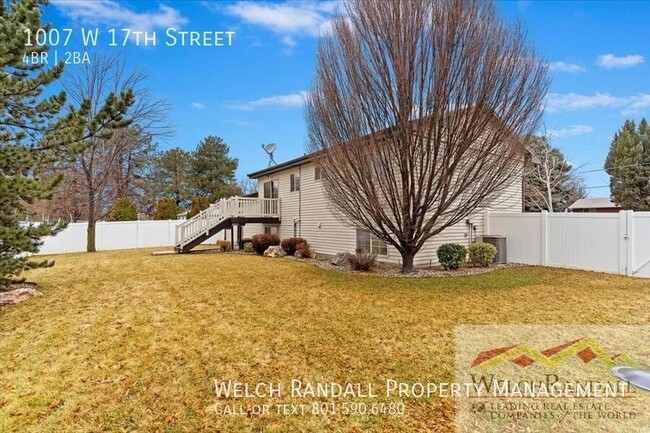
(270, 148)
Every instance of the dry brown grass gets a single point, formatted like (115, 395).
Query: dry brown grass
(123, 341)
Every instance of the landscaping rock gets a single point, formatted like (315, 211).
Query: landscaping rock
(340, 259)
(275, 251)
(305, 254)
(18, 295)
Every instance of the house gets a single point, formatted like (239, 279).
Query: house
(305, 212)
(594, 205)
(292, 202)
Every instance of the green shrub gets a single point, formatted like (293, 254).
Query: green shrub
(224, 246)
(451, 256)
(482, 254)
(123, 210)
(248, 247)
(290, 245)
(166, 209)
(264, 240)
(362, 261)
(246, 240)
(304, 251)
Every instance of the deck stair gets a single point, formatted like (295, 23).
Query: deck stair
(224, 214)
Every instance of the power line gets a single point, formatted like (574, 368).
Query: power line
(618, 166)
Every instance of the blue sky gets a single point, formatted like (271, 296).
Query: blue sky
(251, 92)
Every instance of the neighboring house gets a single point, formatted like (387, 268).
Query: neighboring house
(305, 212)
(594, 205)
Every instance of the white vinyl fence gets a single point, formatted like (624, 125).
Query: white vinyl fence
(114, 236)
(615, 243)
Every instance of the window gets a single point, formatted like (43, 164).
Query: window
(271, 189)
(294, 182)
(271, 230)
(317, 173)
(368, 243)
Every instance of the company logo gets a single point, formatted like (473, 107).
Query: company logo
(586, 349)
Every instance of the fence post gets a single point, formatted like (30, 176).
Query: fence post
(629, 243)
(544, 237)
(622, 243)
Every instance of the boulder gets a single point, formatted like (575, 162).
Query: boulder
(17, 295)
(340, 259)
(275, 251)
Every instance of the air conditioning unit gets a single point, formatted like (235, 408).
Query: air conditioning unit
(500, 243)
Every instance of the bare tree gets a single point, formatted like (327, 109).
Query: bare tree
(416, 111)
(105, 161)
(551, 182)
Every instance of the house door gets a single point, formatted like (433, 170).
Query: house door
(271, 190)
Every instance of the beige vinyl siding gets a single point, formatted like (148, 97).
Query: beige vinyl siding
(328, 235)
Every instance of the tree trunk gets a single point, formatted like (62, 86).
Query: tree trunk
(90, 237)
(407, 262)
(90, 234)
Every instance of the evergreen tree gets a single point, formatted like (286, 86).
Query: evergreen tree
(198, 204)
(33, 132)
(212, 170)
(628, 165)
(172, 174)
(124, 210)
(550, 182)
(166, 209)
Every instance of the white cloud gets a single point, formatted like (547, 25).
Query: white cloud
(611, 61)
(566, 67)
(305, 18)
(280, 101)
(113, 13)
(573, 101)
(571, 131)
(198, 105)
(642, 100)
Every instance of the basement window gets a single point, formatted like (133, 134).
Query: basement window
(369, 243)
(271, 230)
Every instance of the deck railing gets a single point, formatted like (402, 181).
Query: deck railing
(225, 208)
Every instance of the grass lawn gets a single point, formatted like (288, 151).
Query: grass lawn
(123, 341)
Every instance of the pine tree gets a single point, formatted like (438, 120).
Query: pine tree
(551, 183)
(166, 209)
(33, 133)
(212, 170)
(628, 165)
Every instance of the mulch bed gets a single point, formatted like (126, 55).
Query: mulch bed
(394, 271)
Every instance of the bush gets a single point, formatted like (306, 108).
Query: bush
(304, 251)
(290, 245)
(224, 246)
(451, 256)
(482, 254)
(198, 204)
(362, 261)
(246, 240)
(124, 210)
(264, 240)
(166, 209)
(248, 247)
